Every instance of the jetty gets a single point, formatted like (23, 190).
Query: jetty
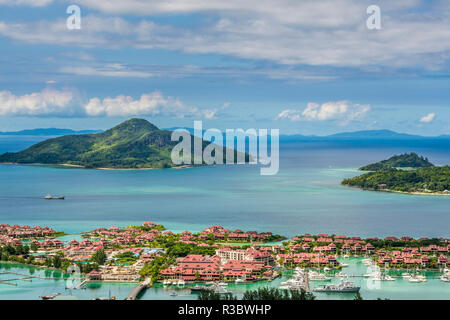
(23, 277)
(307, 288)
(138, 289)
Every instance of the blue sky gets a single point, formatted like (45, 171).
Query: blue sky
(309, 67)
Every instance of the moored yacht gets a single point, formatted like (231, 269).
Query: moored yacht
(181, 283)
(343, 286)
(445, 278)
(417, 278)
(315, 276)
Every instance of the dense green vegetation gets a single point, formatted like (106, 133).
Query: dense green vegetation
(21, 254)
(431, 179)
(265, 293)
(135, 143)
(99, 257)
(407, 160)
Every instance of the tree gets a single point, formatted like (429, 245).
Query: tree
(33, 247)
(277, 294)
(210, 295)
(57, 261)
(99, 257)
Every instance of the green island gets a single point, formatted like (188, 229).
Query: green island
(406, 173)
(411, 160)
(133, 144)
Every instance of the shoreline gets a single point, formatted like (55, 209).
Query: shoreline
(76, 166)
(401, 192)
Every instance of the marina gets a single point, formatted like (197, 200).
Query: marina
(49, 282)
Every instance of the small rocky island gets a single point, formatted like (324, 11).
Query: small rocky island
(406, 173)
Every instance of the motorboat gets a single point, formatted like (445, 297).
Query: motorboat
(53, 296)
(343, 286)
(239, 281)
(378, 276)
(198, 288)
(315, 276)
(417, 278)
(445, 278)
(50, 197)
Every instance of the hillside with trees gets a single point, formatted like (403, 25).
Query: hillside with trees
(407, 160)
(423, 180)
(135, 143)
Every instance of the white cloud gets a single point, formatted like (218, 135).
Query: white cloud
(340, 110)
(46, 102)
(316, 33)
(32, 3)
(110, 70)
(428, 118)
(290, 114)
(51, 102)
(148, 104)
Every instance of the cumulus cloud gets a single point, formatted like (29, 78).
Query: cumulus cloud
(315, 33)
(340, 110)
(148, 104)
(290, 114)
(32, 3)
(428, 118)
(51, 102)
(46, 102)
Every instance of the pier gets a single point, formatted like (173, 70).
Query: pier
(27, 277)
(138, 289)
(307, 288)
(23, 277)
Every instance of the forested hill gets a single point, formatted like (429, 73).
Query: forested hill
(407, 160)
(424, 180)
(135, 143)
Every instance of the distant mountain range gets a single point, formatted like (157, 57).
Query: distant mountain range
(360, 135)
(47, 132)
(355, 135)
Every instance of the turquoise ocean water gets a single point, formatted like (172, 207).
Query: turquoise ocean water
(304, 197)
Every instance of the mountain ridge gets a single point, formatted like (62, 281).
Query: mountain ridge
(360, 134)
(135, 143)
(47, 132)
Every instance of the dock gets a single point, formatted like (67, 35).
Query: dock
(138, 289)
(307, 288)
(23, 277)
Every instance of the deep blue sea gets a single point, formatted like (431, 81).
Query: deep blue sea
(305, 196)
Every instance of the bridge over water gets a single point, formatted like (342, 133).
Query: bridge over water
(136, 290)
